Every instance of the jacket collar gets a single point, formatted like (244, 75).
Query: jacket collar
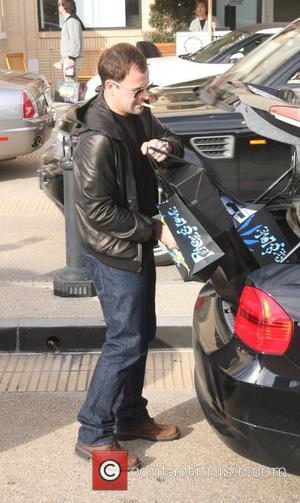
(95, 115)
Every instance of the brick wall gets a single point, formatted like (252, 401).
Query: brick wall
(41, 49)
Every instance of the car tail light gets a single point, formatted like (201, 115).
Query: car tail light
(29, 107)
(262, 323)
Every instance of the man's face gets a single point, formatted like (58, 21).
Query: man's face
(127, 97)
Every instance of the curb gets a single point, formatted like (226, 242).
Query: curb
(82, 334)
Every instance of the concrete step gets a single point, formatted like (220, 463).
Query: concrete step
(33, 319)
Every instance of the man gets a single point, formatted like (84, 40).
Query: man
(116, 197)
(71, 39)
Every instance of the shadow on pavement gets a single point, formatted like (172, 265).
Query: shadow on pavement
(19, 244)
(22, 167)
(14, 274)
(29, 416)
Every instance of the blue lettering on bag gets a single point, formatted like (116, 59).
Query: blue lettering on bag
(199, 250)
(260, 239)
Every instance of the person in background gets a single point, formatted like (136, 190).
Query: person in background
(71, 46)
(116, 197)
(200, 23)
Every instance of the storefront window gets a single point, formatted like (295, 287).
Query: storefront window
(95, 14)
(246, 12)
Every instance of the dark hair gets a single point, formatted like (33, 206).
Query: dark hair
(69, 6)
(116, 61)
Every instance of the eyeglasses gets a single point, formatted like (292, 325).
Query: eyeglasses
(137, 93)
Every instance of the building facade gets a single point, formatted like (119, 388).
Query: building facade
(33, 26)
(247, 12)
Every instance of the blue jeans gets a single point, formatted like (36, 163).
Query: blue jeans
(114, 397)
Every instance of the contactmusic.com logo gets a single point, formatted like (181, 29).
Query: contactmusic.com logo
(110, 470)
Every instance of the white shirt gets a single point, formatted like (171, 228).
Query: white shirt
(196, 25)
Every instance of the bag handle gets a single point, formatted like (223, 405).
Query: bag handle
(162, 178)
(168, 154)
(165, 185)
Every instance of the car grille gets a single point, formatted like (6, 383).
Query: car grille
(214, 147)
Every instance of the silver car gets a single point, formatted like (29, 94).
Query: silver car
(26, 113)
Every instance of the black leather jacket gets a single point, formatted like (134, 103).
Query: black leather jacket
(110, 225)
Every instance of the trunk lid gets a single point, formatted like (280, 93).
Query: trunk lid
(13, 84)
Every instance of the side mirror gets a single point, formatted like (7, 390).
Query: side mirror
(234, 58)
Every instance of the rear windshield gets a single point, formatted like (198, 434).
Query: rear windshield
(258, 66)
(221, 44)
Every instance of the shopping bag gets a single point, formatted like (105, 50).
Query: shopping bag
(259, 231)
(202, 198)
(69, 92)
(198, 192)
(197, 250)
(250, 229)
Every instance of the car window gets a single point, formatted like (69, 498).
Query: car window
(221, 44)
(248, 47)
(260, 64)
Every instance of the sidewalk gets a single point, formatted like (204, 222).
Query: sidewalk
(38, 464)
(32, 250)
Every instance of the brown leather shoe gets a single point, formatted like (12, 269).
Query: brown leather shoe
(85, 451)
(150, 431)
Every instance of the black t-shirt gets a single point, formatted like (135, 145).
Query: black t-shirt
(202, 22)
(133, 133)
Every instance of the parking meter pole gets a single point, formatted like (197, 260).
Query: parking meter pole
(73, 280)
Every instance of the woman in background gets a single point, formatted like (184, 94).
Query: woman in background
(200, 23)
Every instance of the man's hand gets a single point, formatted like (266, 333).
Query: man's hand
(166, 237)
(160, 144)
